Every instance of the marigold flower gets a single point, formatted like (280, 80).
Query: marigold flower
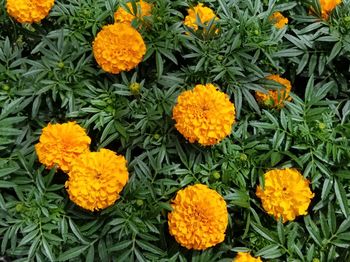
(204, 13)
(327, 7)
(246, 257)
(123, 16)
(29, 11)
(286, 194)
(278, 20)
(96, 179)
(199, 217)
(275, 98)
(118, 47)
(60, 144)
(204, 114)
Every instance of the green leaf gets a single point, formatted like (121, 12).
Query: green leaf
(72, 253)
(341, 197)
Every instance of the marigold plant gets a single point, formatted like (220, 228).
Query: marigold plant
(124, 16)
(286, 194)
(96, 179)
(275, 98)
(199, 217)
(278, 20)
(246, 257)
(204, 115)
(29, 11)
(118, 47)
(205, 15)
(61, 144)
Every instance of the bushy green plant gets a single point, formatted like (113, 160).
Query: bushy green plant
(48, 74)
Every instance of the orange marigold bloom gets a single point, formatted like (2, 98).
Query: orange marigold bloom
(204, 114)
(327, 7)
(118, 47)
(204, 13)
(286, 194)
(96, 179)
(278, 20)
(60, 144)
(123, 16)
(29, 11)
(246, 257)
(199, 217)
(275, 98)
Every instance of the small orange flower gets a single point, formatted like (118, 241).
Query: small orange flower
(60, 144)
(246, 257)
(96, 179)
(204, 13)
(327, 7)
(118, 47)
(29, 11)
(123, 16)
(199, 217)
(204, 115)
(286, 194)
(278, 20)
(275, 98)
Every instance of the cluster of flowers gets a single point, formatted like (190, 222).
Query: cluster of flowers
(203, 114)
(199, 217)
(95, 179)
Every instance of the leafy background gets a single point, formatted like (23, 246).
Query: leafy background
(48, 74)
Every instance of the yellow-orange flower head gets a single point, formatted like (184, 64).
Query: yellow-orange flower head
(246, 257)
(199, 217)
(286, 194)
(118, 47)
(96, 179)
(275, 98)
(204, 115)
(278, 20)
(327, 7)
(60, 144)
(29, 11)
(204, 13)
(123, 16)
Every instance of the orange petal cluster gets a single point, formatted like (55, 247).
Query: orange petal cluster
(118, 47)
(96, 179)
(60, 144)
(286, 194)
(123, 16)
(327, 7)
(204, 13)
(275, 98)
(204, 115)
(199, 217)
(278, 20)
(29, 11)
(246, 257)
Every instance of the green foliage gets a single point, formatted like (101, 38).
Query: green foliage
(48, 74)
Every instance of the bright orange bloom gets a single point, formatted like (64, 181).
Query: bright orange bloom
(29, 11)
(123, 16)
(286, 194)
(96, 179)
(60, 144)
(199, 217)
(278, 20)
(204, 115)
(204, 13)
(246, 257)
(118, 47)
(275, 98)
(327, 7)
